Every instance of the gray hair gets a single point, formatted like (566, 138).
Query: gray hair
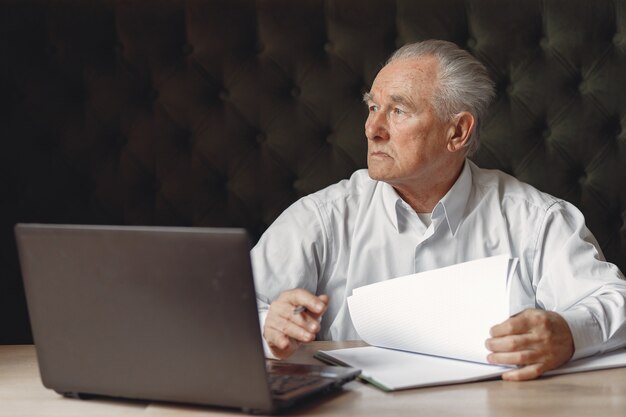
(463, 82)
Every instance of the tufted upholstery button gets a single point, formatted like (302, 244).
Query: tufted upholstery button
(509, 89)
(577, 83)
(544, 43)
(260, 137)
(295, 92)
(223, 94)
(187, 49)
(613, 127)
(546, 133)
(471, 43)
(153, 95)
(328, 47)
(504, 85)
(119, 47)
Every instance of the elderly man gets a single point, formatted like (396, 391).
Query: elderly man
(422, 205)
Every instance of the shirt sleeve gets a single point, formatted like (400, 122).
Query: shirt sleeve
(290, 254)
(574, 279)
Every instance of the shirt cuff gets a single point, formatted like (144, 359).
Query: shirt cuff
(586, 332)
(266, 348)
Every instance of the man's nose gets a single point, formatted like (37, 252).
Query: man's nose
(376, 126)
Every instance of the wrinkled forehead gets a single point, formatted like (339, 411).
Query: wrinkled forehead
(414, 78)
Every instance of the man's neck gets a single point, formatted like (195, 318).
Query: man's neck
(424, 196)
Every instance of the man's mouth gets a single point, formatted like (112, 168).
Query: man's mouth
(379, 154)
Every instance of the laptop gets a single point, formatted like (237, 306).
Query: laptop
(155, 313)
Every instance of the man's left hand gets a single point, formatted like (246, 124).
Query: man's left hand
(535, 340)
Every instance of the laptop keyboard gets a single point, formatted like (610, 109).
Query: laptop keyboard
(282, 384)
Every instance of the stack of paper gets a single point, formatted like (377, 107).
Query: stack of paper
(430, 328)
(392, 370)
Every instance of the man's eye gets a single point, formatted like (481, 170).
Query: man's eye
(398, 111)
(373, 108)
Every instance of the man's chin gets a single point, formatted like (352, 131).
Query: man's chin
(376, 174)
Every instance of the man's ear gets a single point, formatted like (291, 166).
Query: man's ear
(461, 128)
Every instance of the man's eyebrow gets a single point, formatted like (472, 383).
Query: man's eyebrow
(368, 96)
(401, 100)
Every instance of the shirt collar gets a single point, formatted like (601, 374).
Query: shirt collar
(391, 203)
(451, 206)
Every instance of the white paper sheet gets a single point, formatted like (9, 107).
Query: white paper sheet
(392, 370)
(445, 312)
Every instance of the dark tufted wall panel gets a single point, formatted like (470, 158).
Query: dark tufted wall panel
(222, 113)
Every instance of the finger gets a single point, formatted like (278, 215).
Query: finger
(288, 328)
(511, 343)
(523, 357)
(276, 339)
(515, 325)
(324, 299)
(281, 346)
(524, 374)
(310, 315)
(302, 297)
(306, 320)
(286, 308)
(309, 319)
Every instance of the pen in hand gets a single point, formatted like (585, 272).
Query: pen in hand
(298, 310)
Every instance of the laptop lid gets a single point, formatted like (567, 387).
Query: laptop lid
(156, 313)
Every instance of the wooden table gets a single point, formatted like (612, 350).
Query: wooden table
(594, 394)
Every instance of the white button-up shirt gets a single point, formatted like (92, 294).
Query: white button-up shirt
(359, 231)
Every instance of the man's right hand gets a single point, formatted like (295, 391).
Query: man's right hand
(284, 331)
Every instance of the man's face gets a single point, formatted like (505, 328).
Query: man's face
(407, 142)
